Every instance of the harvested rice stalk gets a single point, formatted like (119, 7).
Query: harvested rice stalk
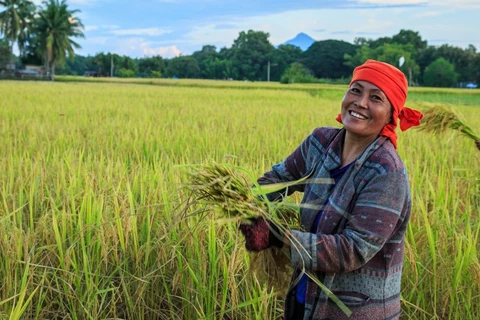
(439, 119)
(226, 190)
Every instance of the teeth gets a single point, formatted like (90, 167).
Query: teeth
(356, 115)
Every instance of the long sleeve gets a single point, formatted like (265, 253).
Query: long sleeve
(379, 211)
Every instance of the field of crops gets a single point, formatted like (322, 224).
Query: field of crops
(90, 178)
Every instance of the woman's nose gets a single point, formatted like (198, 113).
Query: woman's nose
(362, 101)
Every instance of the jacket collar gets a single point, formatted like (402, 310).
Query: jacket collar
(333, 158)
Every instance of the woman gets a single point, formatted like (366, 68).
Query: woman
(354, 244)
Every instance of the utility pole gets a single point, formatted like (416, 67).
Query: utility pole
(268, 71)
(111, 65)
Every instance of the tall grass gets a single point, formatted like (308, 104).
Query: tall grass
(88, 192)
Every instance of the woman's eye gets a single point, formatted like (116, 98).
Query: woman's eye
(355, 90)
(375, 97)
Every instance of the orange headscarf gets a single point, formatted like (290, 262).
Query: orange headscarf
(394, 84)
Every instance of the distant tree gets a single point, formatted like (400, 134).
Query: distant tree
(14, 21)
(360, 41)
(128, 63)
(297, 73)
(156, 74)
(225, 64)
(5, 54)
(126, 73)
(326, 59)
(102, 63)
(411, 38)
(208, 61)
(54, 29)
(379, 42)
(440, 73)
(183, 67)
(361, 55)
(283, 56)
(476, 69)
(147, 66)
(425, 58)
(76, 67)
(390, 53)
(251, 52)
(460, 58)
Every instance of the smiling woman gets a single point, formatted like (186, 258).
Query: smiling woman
(355, 229)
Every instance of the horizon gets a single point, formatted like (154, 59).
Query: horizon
(171, 28)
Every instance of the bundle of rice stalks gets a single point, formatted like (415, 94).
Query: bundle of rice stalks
(439, 119)
(232, 195)
(227, 192)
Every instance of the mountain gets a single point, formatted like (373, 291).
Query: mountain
(302, 40)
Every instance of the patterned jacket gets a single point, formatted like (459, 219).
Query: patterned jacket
(357, 251)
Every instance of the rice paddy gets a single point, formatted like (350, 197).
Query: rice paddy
(91, 186)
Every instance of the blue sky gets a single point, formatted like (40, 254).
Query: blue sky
(171, 27)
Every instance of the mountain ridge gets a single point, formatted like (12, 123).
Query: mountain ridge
(301, 40)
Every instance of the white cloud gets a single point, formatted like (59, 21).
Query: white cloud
(90, 28)
(97, 40)
(428, 14)
(140, 32)
(458, 4)
(165, 52)
(110, 26)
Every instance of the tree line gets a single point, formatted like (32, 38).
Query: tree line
(44, 36)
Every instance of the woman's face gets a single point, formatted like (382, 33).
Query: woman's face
(365, 110)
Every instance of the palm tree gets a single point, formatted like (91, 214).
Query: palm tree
(54, 28)
(14, 21)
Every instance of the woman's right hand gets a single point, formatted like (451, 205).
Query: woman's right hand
(259, 236)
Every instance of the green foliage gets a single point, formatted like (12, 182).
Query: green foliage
(128, 63)
(440, 73)
(77, 66)
(148, 66)
(54, 29)
(5, 53)
(282, 58)
(409, 37)
(297, 73)
(251, 52)
(126, 73)
(326, 59)
(389, 53)
(156, 74)
(14, 21)
(183, 67)
(209, 63)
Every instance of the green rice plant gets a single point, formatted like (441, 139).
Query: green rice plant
(98, 159)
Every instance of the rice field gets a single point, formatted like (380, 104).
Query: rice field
(91, 187)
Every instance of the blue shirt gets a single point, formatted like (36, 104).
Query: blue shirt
(335, 174)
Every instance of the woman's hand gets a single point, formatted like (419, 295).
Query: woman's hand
(260, 235)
